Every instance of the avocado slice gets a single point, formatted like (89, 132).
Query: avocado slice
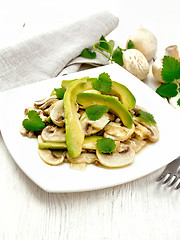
(115, 106)
(117, 89)
(74, 130)
(89, 143)
(124, 95)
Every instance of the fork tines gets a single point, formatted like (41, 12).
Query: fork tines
(171, 175)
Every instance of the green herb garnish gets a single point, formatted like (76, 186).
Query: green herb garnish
(59, 92)
(86, 53)
(146, 116)
(106, 48)
(171, 76)
(33, 122)
(130, 44)
(105, 145)
(95, 112)
(103, 83)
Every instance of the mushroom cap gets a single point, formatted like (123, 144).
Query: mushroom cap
(122, 156)
(144, 41)
(118, 132)
(156, 70)
(91, 127)
(57, 113)
(136, 63)
(146, 131)
(53, 134)
(45, 102)
(83, 158)
(51, 157)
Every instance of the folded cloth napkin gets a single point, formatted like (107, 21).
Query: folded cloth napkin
(53, 53)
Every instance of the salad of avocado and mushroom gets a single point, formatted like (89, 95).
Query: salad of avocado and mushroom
(89, 121)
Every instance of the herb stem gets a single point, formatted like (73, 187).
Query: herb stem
(96, 49)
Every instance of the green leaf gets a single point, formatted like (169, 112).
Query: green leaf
(171, 69)
(130, 44)
(59, 92)
(103, 45)
(146, 116)
(33, 122)
(103, 83)
(117, 56)
(178, 102)
(105, 145)
(167, 90)
(95, 112)
(86, 53)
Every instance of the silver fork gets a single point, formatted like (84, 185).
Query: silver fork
(171, 174)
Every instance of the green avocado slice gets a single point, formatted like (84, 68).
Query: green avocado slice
(124, 95)
(89, 143)
(74, 130)
(115, 106)
(117, 89)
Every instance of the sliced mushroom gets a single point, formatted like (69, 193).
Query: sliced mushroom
(118, 132)
(122, 156)
(83, 158)
(39, 111)
(57, 113)
(51, 157)
(92, 127)
(53, 134)
(45, 102)
(136, 144)
(146, 131)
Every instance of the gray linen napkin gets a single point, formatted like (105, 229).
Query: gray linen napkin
(46, 55)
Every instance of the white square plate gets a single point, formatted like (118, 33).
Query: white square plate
(63, 179)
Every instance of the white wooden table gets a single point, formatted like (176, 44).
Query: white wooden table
(140, 209)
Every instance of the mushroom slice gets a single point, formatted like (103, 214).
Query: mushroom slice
(53, 134)
(118, 132)
(146, 131)
(51, 157)
(123, 155)
(57, 113)
(136, 144)
(45, 102)
(83, 158)
(92, 127)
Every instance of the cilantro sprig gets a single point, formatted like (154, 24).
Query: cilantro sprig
(33, 122)
(106, 48)
(95, 112)
(105, 145)
(171, 76)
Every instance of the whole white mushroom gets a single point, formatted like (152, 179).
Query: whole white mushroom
(144, 41)
(171, 51)
(136, 63)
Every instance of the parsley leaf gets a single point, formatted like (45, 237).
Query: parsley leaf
(86, 53)
(117, 56)
(95, 112)
(167, 90)
(103, 83)
(171, 69)
(130, 44)
(59, 92)
(146, 116)
(33, 122)
(105, 145)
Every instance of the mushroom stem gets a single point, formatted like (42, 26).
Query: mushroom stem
(172, 51)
